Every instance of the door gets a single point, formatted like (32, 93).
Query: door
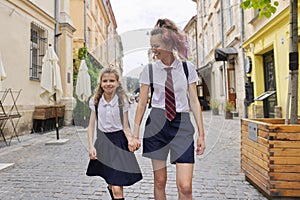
(231, 83)
(270, 85)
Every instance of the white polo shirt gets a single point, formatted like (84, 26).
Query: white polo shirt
(179, 83)
(109, 119)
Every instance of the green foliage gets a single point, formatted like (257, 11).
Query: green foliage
(214, 103)
(82, 53)
(82, 109)
(266, 7)
(228, 106)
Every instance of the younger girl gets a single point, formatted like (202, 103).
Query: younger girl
(111, 156)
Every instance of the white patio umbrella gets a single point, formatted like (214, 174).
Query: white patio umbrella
(83, 85)
(2, 73)
(51, 88)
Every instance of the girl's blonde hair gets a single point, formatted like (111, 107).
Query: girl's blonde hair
(120, 91)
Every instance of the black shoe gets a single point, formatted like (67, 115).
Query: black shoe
(110, 192)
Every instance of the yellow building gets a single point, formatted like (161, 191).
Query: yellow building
(96, 30)
(267, 66)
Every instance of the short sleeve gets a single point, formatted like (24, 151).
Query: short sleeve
(92, 104)
(193, 76)
(144, 76)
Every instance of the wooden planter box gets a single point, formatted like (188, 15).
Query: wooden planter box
(42, 112)
(60, 110)
(44, 117)
(270, 156)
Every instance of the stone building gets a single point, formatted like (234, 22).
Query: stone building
(27, 28)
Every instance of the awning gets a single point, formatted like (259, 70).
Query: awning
(94, 61)
(205, 70)
(221, 54)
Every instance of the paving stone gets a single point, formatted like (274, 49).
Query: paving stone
(58, 171)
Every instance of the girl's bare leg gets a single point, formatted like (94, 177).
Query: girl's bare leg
(160, 179)
(184, 175)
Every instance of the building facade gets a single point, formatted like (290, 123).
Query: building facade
(202, 90)
(220, 56)
(96, 30)
(267, 51)
(28, 27)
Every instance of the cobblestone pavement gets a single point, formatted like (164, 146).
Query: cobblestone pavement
(58, 171)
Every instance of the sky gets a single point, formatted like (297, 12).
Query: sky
(135, 18)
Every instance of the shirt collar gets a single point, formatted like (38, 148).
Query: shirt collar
(112, 103)
(174, 65)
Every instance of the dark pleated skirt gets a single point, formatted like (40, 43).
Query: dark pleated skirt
(116, 164)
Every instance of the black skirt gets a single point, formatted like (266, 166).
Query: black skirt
(116, 164)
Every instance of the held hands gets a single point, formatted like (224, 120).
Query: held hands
(92, 153)
(133, 143)
(200, 146)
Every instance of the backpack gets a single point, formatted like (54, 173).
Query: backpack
(186, 72)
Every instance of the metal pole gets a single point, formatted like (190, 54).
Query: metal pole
(222, 38)
(56, 26)
(288, 101)
(56, 51)
(243, 54)
(84, 21)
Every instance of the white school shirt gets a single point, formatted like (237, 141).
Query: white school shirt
(109, 119)
(179, 83)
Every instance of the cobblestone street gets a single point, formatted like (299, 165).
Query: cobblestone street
(58, 171)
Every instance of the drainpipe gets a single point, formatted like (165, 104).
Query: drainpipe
(243, 54)
(107, 45)
(222, 38)
(56, 34)
(201, 23)
(84, 22)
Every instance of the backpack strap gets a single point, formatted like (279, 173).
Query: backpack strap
(186, 70)
(96, 111)
(151, 83)
(121, 111)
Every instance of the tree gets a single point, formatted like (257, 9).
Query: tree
(266, 9)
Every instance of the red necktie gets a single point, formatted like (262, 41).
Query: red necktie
(170, 97)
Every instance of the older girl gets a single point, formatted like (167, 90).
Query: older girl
(168, 126)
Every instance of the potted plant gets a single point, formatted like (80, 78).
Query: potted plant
(214, 106)
(228, 108)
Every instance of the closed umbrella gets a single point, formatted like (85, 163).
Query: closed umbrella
(51, 88)
(2, 73)
(83, 85)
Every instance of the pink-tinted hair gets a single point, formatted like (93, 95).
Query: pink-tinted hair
(172, 35)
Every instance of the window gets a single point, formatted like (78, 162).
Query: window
(229, 14)
(88, 38)
(204, 7)
(38, 45)
(206, 43)
(212, 35)
(220, 26)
